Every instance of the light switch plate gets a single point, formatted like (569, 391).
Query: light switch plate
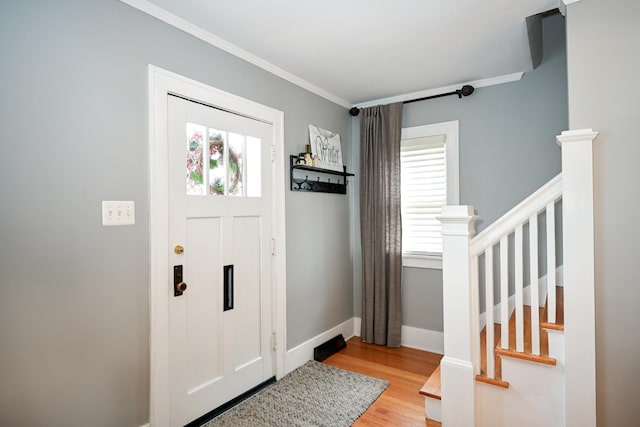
(118, 212)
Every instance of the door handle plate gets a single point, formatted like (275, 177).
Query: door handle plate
(228, 288)
(179, 286)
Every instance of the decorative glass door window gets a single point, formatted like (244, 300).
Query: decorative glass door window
(229, 163)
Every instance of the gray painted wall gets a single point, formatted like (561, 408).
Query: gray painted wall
(507, 151)
(74, 307)
(604, 64)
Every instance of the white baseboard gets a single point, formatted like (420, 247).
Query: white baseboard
(421, 339)
(301, 353)
(145, 425)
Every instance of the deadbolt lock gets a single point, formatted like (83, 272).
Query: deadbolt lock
(178, 249)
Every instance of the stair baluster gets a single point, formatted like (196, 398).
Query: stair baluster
(519, 291)
(487, 365)
(533, 284)
(551, 262)
(504, 291)
(488, 292)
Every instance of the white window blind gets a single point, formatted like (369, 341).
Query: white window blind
(423, 192)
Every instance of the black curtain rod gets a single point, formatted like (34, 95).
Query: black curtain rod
(466, 90)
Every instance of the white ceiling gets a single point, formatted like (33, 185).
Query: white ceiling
(354, 51)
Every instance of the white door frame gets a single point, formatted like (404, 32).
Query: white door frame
(161, 84)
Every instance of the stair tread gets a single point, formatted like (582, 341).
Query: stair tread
(558, 325)
(431, 388)
(527, 354)
(493, 381)
(544, 340)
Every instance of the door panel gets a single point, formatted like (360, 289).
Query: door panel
(247, 290)
(220, 212)
(203, 256)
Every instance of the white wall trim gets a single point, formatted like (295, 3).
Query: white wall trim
(301, 353)
(161, 83)
(357, 326)
(212, 39)
(420, 339)
(433, 262)
(145, 425)
(568, 2)
(451, 132)
(492, 81)
(222, 44)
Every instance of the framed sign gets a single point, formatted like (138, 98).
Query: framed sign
(326, 146)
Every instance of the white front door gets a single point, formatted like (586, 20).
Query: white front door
(220, 231)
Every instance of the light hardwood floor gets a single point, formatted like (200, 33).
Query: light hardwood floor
(406, 369)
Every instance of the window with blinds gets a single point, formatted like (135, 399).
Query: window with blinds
(423, 193)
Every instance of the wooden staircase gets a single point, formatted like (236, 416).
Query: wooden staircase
(432, 388)
(513, 263)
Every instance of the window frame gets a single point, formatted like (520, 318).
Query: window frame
(450, 130)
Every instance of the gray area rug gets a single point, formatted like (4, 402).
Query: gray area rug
(313, 395)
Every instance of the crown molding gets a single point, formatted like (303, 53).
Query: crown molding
(212, 39)
(568, 2)
(430, 92)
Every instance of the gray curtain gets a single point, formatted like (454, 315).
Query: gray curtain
(380, 224)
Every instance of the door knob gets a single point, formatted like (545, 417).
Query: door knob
(179, 286)
(178, 249)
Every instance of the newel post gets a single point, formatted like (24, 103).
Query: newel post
(579, 282)
(459, 299)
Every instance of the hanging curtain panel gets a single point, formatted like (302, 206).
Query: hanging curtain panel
(380, 224)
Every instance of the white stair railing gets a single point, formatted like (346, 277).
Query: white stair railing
(461, 282)
(513, 223)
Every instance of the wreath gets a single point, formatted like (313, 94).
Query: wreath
(195, 163)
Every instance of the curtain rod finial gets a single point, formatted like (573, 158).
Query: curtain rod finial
(465, 91)
(354, 111)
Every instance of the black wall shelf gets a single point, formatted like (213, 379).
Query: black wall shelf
(338, 186)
